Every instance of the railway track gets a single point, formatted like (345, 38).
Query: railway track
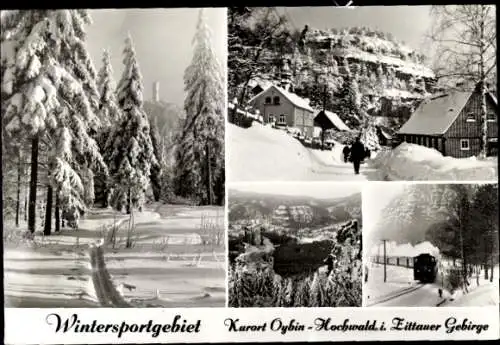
(398, 294)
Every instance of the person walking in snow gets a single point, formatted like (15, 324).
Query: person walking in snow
(357, 154)
(345, 152)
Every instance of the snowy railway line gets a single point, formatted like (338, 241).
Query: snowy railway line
(396, 295)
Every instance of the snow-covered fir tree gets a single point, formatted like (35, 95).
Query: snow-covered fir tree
(109, 111)
(132, 156)
(200, 155)
(110, 115)
(48, 93)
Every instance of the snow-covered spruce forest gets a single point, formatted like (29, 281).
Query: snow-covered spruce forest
(73, 138)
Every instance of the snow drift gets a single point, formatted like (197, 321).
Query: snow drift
(262, 153)
(416, 162)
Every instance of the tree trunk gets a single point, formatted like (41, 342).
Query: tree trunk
(209, 175)
(57, 215)
(129, 201)
(33, 183)
(1, 172)
(18, 190)
(26, 193)
(492, 266)
(486, 260)
(482, 85)
(47, 229)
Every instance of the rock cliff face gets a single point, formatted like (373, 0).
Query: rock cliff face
(384, 77)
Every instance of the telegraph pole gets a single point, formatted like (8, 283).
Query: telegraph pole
(385, 262)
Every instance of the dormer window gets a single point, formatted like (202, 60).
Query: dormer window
(276, 100)
(471, 117)
(268, 100)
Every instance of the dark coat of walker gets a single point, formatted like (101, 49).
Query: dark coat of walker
(358, 153)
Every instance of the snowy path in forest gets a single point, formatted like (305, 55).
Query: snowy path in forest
(69, 270)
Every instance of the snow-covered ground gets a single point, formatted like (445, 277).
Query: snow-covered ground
(56, 271)
(399, 280)
(261, 153)
(484, 294)
(168, 266)
(415, 162)
(401, 290)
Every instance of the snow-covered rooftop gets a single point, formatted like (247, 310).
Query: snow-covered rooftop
(335, 120)
(293, 98)
(436, 115)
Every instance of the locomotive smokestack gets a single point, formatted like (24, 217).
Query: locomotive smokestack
(156, 91)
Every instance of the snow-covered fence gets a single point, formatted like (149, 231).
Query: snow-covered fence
(243, 118)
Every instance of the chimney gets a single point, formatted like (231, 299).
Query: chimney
(156, 91)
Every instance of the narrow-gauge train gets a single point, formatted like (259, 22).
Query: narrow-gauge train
(425, 268)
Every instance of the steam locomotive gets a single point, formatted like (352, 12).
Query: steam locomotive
(425, 268)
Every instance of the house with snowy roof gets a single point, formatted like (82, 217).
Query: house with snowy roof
(327, 120)
(284, 108)
(451, 123)
(257, 85)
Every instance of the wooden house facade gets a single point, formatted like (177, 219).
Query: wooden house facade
(451, 123)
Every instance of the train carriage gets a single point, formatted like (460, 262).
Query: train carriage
(425, 268)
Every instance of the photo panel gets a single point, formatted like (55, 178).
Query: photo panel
(361, 94)
(111, 197)
(430, 245)
(294, 245)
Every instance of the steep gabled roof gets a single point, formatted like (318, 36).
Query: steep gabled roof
(293, 98)
(334, 119)
(435, 115)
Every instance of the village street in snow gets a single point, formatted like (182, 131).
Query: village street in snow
(323, 85)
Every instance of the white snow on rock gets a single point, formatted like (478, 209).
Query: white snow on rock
(412, 162)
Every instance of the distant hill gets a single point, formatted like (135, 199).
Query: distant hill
(293, 211)
(408, 217)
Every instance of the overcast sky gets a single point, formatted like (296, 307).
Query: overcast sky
(163, 43)
(319, 190)
(405, 23)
